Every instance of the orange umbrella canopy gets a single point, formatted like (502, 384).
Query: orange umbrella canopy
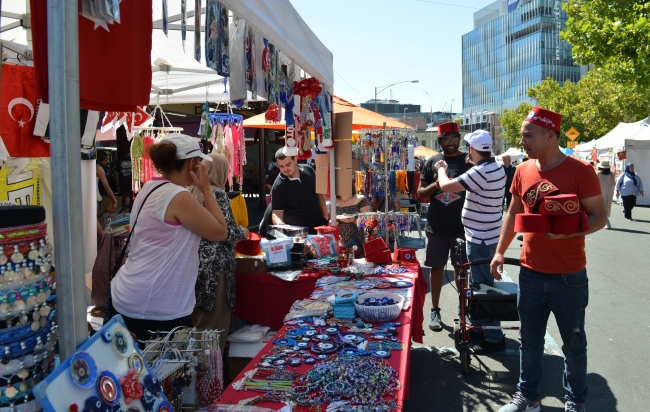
(361, 118)
(423, 151)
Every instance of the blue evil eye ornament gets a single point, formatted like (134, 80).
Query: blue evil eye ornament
(83, 370)
(107, 336)
(122, 341)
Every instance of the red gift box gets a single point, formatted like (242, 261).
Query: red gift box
(405, 255)
(380, 257)
(327, 230)
(534, 195)
(375, 245)
(560, 205)
(532, 223)
(250, 246)
(569, 224)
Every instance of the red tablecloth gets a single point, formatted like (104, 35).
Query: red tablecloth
(265, 299)
(410, 319)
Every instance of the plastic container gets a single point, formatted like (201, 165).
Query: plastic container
(384, 313)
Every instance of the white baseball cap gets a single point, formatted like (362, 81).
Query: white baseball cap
(480, 140)
(187, 147)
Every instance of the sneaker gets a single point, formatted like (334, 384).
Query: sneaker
(474, 335)
(486, 347)
(608, 225)
(571, 406)
(520, 404)
(520, 238)
(434, 321)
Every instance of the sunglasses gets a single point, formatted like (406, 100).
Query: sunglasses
(447, 140)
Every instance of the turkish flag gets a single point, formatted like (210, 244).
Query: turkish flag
(114, 65)
(18, 108)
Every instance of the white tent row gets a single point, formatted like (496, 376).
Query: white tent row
(179, 78)
(616, 137)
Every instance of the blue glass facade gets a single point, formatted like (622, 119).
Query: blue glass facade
(507, 55)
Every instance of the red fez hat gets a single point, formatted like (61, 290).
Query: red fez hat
(560, 205)
(535, 194)
(532, 223)
(449, 127)
(545, 118)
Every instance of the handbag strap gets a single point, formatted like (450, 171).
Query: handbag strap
(128, 238)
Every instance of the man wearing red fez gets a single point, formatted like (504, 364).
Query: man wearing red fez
(553, 275)
(444, 223)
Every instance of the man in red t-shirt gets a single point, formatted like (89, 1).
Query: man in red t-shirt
(553, 276)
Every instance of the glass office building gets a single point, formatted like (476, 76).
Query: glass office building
(514, 46)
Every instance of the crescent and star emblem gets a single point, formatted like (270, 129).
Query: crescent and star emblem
(27, 103)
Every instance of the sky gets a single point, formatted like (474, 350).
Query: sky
(379, 42)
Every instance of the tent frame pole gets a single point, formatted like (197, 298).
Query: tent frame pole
(63, 80)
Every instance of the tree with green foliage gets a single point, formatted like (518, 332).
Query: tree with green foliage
(511, 124)
(613, 35)
(460, 121)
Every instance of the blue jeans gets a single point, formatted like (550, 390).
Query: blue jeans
(567, 297)
(481, 274)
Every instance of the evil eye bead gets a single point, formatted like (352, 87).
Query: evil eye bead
(295, 362)
(310, 361)
(107, 336)
(280, 362)
(381, 354)
(83, 370)
(322, 357)
(122, 341)
(165, 407)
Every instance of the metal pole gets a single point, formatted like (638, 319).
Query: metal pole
(261, 201)
(386, 198)
(375, 100)
(63, 80)
(333, 172)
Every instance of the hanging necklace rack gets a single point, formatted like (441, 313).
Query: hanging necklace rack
(163, 118)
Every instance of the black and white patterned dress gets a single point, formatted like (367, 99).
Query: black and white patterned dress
(347, 231)
(217, 258)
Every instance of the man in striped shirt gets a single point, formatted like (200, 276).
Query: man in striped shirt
(485, 184)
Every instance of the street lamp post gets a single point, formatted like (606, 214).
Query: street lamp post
(386, 87)
(405, 109)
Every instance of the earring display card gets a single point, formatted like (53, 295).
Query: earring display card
(107, 373)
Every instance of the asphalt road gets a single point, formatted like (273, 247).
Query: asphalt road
(617, 325)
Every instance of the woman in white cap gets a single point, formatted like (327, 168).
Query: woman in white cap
(154, 290)
(607, 183)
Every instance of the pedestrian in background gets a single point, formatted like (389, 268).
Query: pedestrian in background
(607, 183)
(510, 173)
(629, 186)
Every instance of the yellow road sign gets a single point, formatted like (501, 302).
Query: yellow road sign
(572, 133)
(572, 144)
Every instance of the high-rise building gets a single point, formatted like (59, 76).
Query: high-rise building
(515, 45)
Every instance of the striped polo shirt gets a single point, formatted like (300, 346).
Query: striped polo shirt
(485, 184)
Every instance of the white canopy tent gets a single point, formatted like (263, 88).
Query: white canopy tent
(616, 137)
(179, 78)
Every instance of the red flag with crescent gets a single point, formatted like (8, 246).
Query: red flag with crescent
(18, 108)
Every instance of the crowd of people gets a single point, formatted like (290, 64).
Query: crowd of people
(181, 267)
(467, 192)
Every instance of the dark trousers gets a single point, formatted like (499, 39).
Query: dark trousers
(141, 327)
(508, 197)
(628, 204)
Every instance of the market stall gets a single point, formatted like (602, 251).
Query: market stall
(389, 341)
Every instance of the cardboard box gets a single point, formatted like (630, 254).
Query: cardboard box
(322, 173)
(251, 264)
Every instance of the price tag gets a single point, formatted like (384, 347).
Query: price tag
(277, 254)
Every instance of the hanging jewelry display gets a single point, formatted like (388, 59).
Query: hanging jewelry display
(183, 22)
(141, 165)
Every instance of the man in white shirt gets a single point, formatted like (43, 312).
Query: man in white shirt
(485, 184)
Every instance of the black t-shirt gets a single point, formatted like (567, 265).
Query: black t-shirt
(510, 174)
(445, 209)
(107, 172)
(124, 169)
(298, 199)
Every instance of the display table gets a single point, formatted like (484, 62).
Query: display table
(410, 319)
(265, 299)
